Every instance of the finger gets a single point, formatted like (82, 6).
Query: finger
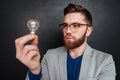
(29, 48)
(35, 40)
(27, 59)
(19, 43)
(32, 54)
(23, 40)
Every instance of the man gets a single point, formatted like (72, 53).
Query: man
(76, 60)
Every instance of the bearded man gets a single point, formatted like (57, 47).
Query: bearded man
(76, 60)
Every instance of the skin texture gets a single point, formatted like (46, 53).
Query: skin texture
(29, 55)
(81, 34)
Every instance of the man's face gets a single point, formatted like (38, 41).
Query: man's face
(77, 38)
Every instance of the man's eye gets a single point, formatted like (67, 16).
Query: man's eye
(75, 25)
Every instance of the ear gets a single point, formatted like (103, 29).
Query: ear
(89, 31)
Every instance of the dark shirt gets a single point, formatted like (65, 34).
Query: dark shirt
(73, 67)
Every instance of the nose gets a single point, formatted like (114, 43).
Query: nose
(68, 30)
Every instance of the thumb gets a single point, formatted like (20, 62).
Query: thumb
(35, 40)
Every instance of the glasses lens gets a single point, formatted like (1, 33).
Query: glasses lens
(74, 27)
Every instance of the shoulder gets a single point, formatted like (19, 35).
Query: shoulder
(56, 51)
(101, 54)
(97, 55)
(101, 57)
(54, 55)
(99, 62)
(61, 48)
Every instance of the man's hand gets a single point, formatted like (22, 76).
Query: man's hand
(29, 55)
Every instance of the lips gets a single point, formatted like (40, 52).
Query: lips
(68, 37)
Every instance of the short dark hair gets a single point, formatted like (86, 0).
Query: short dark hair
(72, 8)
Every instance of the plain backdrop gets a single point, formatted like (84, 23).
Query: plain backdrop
(15, 13)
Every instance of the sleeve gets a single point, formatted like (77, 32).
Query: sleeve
(31, 76)
(34, 76)
(108, 71)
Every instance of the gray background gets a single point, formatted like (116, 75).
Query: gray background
(15, 13)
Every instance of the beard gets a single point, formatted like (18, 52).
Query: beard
(76, 43)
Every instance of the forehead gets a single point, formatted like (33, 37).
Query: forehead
(74, 17)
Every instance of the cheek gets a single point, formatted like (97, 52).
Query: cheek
(80, 34)
(77, 36)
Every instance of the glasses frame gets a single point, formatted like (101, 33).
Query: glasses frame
(73, 26)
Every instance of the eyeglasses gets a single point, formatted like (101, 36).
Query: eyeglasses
(74, 26)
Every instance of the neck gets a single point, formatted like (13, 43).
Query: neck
(78, 51)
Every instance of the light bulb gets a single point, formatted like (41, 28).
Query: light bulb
(33, 25)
